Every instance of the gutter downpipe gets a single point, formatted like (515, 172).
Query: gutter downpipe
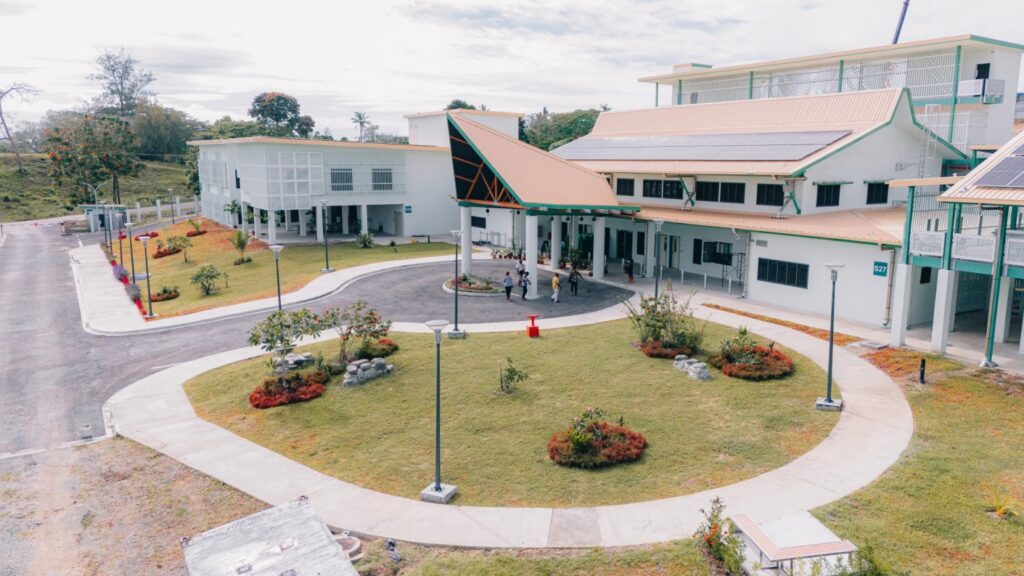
(891, 282)
(746, 265)
(956, 92)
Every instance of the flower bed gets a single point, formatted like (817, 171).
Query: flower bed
(194, 233)
(474, 284)
(296, 387)
(655, 349)
(149, 234)
(592, 442)
(166, 293)
(162, 252)
(742, 357)
(665, 326)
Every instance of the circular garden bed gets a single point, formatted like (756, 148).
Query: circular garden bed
(475, 286)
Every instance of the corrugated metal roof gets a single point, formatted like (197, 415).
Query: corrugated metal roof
(311, 142)
(537, 178)
(882, 226)
(971, 191)
(765, 146)
(690, 168)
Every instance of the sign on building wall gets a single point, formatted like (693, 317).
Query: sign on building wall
(1014, 251)
(408, 209)
(927, 243)
(881, 268)
(977, 248)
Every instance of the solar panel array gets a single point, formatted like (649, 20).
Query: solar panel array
(1007, 173)
(767, 146)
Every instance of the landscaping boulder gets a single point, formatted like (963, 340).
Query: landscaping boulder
(692, 367)
(294, 361)
(362, 371)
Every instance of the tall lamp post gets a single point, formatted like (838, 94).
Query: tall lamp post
(323, 224)
(829, 403)
(131, 248)
(276, 248)
(120, 242)
(149, 290)
(170, 198)
(456, 333)
(658, 223)
(437, 492)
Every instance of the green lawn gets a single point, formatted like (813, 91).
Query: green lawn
(33, 195)
(257, 279)
(702, 434)
(927, 515)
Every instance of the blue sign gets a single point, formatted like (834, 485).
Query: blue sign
(408, 209)
(881, 269)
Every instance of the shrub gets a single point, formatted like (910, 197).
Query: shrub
(364, 240)
(120, 273)
(1000, 505)
(381, 348)
(592, 442)
(240, 240)
(357, 321)
(166, 293)
(277, 334)
(206, 279)
(197, 229)
(742, 357)
(716, 538)
(259, 398)
(179, 244)
(134, 292)
(510, 377)
(664, 324)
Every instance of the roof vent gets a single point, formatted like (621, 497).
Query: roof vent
(689, 67)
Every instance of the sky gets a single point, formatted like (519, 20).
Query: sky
(389, 58)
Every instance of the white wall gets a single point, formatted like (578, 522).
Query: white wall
(431, 192)
(749, 197)
(432, 129)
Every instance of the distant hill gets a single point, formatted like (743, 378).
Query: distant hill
(32, 195)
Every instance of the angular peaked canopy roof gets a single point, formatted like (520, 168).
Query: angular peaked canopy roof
(492, 169)
(972, 189)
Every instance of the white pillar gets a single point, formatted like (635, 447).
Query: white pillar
(1003, 311)
(256, 213)
(303, 219)
(599, 248)
(902, 285)
(242, 217)
(159, 210)
(364, 216)
(556, 241)
(943, 302)
(287, 220)
(320, 224)
(954, 286)
(177, 206)
(466, 220)
(195, 204)
(531, 255)
(138, 212)
(344, 219)
(272, 226)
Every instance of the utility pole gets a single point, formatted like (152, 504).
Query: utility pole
(899, 25)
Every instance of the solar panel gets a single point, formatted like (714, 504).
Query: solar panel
(1019, 151)
(1007, 173)
(766, 146)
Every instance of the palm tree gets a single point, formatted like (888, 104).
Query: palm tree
(234, 207)
(240, 241)
(361, 119)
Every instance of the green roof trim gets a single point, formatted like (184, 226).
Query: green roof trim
(1000, 43)
(832, 182)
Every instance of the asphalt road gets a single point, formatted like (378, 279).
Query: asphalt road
(55, 377)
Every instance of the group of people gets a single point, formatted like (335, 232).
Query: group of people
(524, 282)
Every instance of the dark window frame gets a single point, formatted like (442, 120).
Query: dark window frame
(705, 191)
(677, 190)
(771, 195)
(478, 221)
(340, 185)
(878, 193)
(783, 273)
(378, 182)
(828, 195)
(732, 192)
(640, 243)
(652, 188)
(620, 184)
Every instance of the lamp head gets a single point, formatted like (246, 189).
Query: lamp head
(437, 326)
(145, 240)
(276, 249)
(834, 270)
(658, 223)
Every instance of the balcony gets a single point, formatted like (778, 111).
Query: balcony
(982, 90)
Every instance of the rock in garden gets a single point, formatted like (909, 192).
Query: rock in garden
(362, 371)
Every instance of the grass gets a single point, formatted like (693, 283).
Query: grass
(33, 195)
(930, 513)
(819, 333)
(257, 279)
(702, 434)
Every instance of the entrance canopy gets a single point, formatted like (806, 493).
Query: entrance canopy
(495, 170)
(998, 181)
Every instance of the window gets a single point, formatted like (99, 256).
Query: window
(718, 253)
(926, 275)
(779, 272)
(238, 181)
(673, 189)
(733, 192)
(878, 193)
(770, 195)
(698, 250)
(652, 188)
(828, 195)
(707, 191)
(341, 179)
(478, 221)
(624, 187)
(641, 243)
(381, 179)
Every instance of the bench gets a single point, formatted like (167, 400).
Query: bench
(772, 556)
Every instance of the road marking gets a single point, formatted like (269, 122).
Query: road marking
(32, 451)
(165, 366)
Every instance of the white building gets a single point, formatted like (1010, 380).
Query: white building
(386, 189)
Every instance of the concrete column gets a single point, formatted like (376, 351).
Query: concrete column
(303, 218)
(196, 209)
(177, 206)
(954, 285)
(272, 226)
(466, 221)
(159, 210)
(944, 292)
(344, 220)
(138, 212)
(364, 216)
(902, 285)
(287, 220)
(242, 217)
(650, 243)
(531, 255)
(556, 241)
(319, 225)
(599, 248)
(256, 213)
(1003, 311)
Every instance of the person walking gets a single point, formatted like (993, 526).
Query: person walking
(524, 281)
(555, 283)
(574, 281)
(508, 286)
(629, 270)
(520, 268)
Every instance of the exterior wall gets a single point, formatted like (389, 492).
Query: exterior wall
(432, 129)
(922, 297)
(750, 193)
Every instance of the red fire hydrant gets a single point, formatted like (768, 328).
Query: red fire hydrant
(533, 331)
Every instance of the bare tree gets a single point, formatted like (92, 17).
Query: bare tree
(123, 83)
(21, 91)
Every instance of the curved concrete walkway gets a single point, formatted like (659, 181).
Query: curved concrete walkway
(871, 433)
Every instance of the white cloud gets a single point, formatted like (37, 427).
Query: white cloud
(392, 57)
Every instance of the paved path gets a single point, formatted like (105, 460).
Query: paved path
(869, 437)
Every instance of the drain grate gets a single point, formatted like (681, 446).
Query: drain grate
(873, 345)
(85, 431)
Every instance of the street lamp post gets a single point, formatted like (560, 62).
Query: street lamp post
(829, 403)
(120, 243)
(658, 223)
(323, 224)
(437, 491)
(149, 290)
(131, 247)
(456, 333)
(170, 198)
(276, 248)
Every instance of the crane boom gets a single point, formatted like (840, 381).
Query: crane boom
(899, 25)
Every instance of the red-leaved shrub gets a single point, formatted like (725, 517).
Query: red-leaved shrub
(160, 253)
(655, 349)
(260, 399)
(604, 444)
(194, 233)
(762, 363)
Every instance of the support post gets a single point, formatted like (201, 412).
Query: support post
(902, 286)
(466, 220)
(997, 276)
(599, 248)
(287, 220)
(177, 206)
(138, 212)
(243, 216)
(320, 225)
(956, 90)
(303, 219)
(944, 300)
(344, 220)
(556, 241)
(531, 255)
(272, 226)
(1002, 332)
(159, 210)
(364, 219)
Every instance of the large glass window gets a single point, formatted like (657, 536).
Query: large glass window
(718, 253)
(341, 179)
(770, 195)
(732, 192)
(478, 221)
(707, 191)
(381, 179)
(673, 189)
(652, 188)
(780, 272)
(625, 186)
(878, 193)
(828, 194)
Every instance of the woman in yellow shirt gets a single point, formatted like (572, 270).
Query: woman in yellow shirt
(554, 287)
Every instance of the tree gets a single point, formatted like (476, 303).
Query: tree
(281, 112)
(241, 241)
(547, 131)
(206, 279)
(93, 149)
(357, 321)
(17, 90)
(280, 331)
(182, 243)
(123, 83)
(163, 132)
(459, 104)
(235, 209)
(361, 119)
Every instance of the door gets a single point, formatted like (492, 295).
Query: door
(398, 223)
(673, 252)
(623, 244)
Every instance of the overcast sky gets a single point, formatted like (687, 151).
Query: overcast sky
(393, 57)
